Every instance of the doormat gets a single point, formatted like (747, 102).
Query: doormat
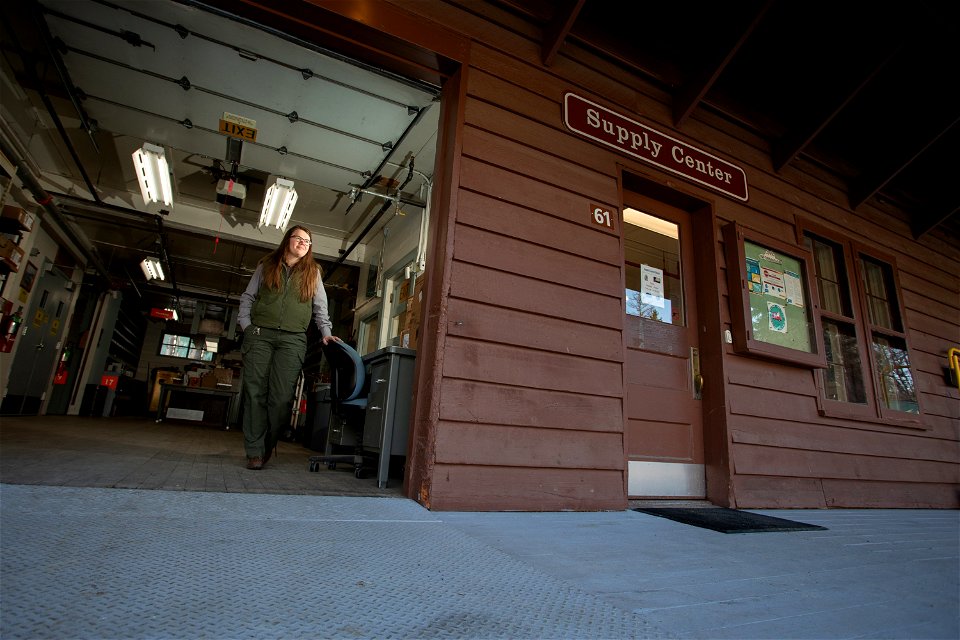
(729, 520)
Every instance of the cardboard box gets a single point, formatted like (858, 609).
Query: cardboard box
(10, 254)
(418, 291)
(217, 378)
(404, 290)
(411, 317)
(18, 217)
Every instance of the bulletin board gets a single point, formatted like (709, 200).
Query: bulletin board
(779, 313)
(772, 298)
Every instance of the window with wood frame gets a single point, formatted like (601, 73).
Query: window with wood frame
(868, 373)
(177, 346)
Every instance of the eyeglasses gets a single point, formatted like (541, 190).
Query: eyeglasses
(301, 240)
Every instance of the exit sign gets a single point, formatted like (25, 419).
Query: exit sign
(238, 127)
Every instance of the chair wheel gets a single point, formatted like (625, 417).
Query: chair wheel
(331, 465)
(358, 473)
(314, 466)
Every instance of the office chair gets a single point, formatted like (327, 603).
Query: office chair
(348, 400)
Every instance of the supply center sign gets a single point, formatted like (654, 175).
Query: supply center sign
(619, 132)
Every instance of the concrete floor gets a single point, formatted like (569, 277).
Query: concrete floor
(132, 453)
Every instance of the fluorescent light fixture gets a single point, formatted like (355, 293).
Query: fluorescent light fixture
(152, 269)
(651, 223)
(153, 174)
(278, 204)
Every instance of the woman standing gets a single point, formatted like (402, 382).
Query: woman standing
(285, 291)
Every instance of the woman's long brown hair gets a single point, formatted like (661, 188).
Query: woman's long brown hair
(306, 267)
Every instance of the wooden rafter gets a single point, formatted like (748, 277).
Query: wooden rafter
(924, 223)
(870, 184)
(794, 142)
(556, 32)
(691, 93)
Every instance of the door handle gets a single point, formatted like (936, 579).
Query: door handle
(696, 376)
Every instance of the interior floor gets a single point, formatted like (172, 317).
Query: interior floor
(139, 453)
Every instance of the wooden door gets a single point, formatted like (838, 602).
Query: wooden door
(664, 429)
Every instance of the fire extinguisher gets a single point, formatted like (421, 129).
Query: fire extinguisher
(9, 329)
(60, 377)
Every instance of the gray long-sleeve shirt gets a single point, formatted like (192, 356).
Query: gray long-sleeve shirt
(320, 315)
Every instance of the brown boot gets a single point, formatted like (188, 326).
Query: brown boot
(255, 463)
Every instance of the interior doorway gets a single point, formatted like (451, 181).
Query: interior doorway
(664, 418)
(40, 344)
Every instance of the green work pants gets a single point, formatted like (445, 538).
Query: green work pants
(272, 360)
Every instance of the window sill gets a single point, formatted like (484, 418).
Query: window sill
(861, 413)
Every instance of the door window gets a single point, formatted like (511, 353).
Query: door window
(654, 283)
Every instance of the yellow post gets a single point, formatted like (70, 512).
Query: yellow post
(953, 357)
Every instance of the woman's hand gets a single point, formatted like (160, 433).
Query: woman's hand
(329, 339)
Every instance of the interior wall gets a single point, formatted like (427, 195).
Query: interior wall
(45, 246)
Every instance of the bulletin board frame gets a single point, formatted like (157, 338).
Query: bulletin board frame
(774, 306)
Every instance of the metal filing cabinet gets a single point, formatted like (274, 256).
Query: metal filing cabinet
(386, 425)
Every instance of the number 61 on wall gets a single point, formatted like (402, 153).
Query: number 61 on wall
(601, 216)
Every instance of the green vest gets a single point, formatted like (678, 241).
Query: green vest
(281, 308)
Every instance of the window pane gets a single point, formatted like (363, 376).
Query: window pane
(878, 284)
(893, 374)
(369, 334)
(831, 277)
(177, 346)
(654, 287)
(843, 377)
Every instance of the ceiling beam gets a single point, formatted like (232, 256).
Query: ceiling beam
(691, 93)
(556, 32)
(868, 185)
(794, 142)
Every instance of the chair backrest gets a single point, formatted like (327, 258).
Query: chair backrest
(346, 371)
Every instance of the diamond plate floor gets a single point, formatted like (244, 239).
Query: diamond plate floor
(119, 563)
(113, 563)
(128, 529)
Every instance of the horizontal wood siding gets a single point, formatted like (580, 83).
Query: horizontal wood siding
(480, 444)
(531, 402)
(491, 488)
(536, 314)
(489, 403)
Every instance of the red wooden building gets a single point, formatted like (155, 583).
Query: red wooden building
(655, 267)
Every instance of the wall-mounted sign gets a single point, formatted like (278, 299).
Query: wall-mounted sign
(601, 216)
(238, 127)
(109, 381)
(166, 314)
(619, 132)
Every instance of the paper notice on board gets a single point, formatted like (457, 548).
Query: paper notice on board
(753, 276)
(778, 317)
(651, 285)
(791, 281)
(773, 282)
